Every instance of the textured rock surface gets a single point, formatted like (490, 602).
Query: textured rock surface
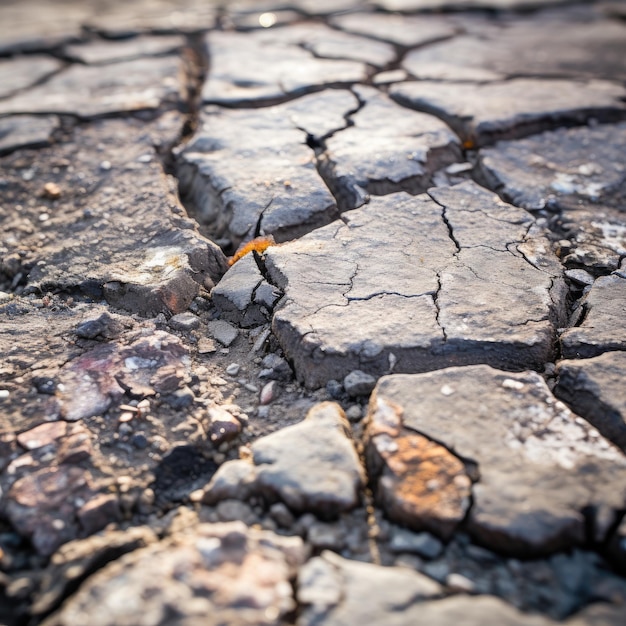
(268, 66)
(25, 131)
(515, 108)
(18, 74)
(335, 590)
(402, 155)
(280, 191)
(599, 326)
(213, 572)
(593, 389)
(525, 449)
(130, 241)
(94, 91)
(576, 172)
(311, 466)
(417, 314)
(543, 48)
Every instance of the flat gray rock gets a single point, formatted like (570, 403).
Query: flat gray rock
(26, 131)
(311, 467)
(594, 389)
(99, 52)
(279, 191)
(483, 113)
(268, 66)
(402, 30)
(372, 157)
(419, 283)
(601, 326)
(124, 19)
(19, 73)
(116, 229)
(527, 452)
(214, 571)
(126, 86)
(578, 172)
(430, 5)
(334, 591)
(542, 46)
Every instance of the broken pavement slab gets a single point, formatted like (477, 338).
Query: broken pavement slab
(593, 388)
(368, 157)
(546, 47)
(598, 325)
(311, 466)
(525, 449)
(577, 172)
(269, 66)
(26, 131)
(483, 113)
(280, 191)
(406, 293)
(212, 571)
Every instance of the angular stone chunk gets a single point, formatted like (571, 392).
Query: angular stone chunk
(545, 46)
(402, 30)
(417, 481)
(243, 296)
(594, 389)
(262, 66)
(579, 172)
(602, 327)
(407, 298)
(279, 191)
(483, 113)
(135, 85)
(336, 591)
(98, 52)
(117, 229)
(311, 466)
(26, 131)
(220, 570)
(20, 73)
(540, 470)
(399, 154)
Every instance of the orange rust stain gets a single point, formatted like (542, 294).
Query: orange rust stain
(258, 244)
(469, 144)
(427, 478)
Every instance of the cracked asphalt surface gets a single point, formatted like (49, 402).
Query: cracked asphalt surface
(404, 403)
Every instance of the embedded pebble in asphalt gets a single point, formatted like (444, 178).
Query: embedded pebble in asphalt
(312, 312)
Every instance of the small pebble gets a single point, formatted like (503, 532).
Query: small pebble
(4, 393)
(458, 582)
(233, 369)
(269, 392)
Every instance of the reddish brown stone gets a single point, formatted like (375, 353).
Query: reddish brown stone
(420, 483)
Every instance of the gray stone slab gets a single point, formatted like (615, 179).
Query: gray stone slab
(117, 229)
(578, 172)
(406, 297)
(123, 19)
(279, 191)
(430, 5)
(483, 113)
(19, 73)
(31, 25)
(26, 131)
(540, 470)
(334, 590)
(214, 571)
(268, 66)
(601, 327)
(376, 157)
(545, 46)
(594, 389)
(98, 52)
(311, 467)
(126, 86)
(401, 30)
